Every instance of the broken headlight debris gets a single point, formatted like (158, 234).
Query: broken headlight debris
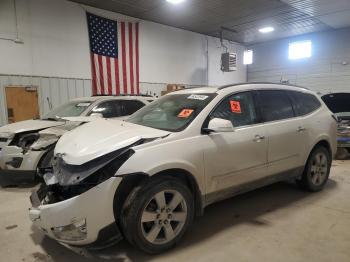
(43, 142)
(66, 180)
(24, 140)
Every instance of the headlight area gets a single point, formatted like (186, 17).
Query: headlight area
(24, 140)
(68, 181)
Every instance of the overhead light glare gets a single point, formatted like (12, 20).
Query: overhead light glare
(267, 29)
(175, 2)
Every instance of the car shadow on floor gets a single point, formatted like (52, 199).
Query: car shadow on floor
(243, 209)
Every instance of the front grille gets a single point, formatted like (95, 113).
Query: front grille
(3, 139)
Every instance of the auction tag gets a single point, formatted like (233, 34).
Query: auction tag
(185, 113)
(197, 97)
(235, 107)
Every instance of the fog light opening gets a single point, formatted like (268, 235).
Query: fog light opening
(74, 232)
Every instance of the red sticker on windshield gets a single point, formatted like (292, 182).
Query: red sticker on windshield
(235, 107)
(185, 113)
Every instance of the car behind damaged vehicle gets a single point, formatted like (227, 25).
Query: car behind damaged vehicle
(339, 104)
(27, 147)
(146, 178)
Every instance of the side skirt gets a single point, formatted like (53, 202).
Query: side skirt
(237, 190)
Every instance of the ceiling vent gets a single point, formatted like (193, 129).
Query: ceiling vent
(228, 62)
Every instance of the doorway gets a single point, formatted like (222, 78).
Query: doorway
(22, 103)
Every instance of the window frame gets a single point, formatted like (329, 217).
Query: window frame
(257, 110)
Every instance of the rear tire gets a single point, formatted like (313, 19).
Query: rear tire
(317, 170)
(156, 215)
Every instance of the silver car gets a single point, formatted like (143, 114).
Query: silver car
(154, 172)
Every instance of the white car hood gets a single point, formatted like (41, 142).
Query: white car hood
(28, 125)
(101, 137)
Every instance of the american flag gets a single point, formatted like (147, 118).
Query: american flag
(114, 50)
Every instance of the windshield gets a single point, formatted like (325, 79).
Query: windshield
(171, 112)
(68, 110)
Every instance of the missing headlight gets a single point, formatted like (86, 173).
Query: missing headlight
(24, 140)
(70, 183)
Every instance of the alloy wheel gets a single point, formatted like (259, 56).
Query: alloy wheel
(163, 217)
(319, 168)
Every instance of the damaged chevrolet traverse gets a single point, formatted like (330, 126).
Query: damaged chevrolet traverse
(146, 178)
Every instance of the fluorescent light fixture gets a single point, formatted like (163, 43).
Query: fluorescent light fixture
(175, 2)
(300, 49)
(248, 57)
(267, 29)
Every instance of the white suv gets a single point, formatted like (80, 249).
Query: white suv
(146, 178)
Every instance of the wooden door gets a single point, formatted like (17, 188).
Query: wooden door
(22, 103)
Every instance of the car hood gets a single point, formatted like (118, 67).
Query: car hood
(337, 102)
(101, 137)
(29, 125)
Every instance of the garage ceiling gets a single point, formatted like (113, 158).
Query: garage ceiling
(288, 17)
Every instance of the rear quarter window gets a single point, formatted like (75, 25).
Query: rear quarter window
(304, 103)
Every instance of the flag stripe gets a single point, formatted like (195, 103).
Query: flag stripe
(93, 72)
(117, 84)
(100, 67)
(137, 58)
(131, 51)
(98, 84)
(109, 77)
(124, 58)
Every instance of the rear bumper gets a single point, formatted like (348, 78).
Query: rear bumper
(15, 177)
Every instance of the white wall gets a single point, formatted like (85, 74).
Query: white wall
(324, 72)
(56, 47)
(56, 44)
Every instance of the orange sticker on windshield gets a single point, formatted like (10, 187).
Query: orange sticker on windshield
(235, 107)
(185, 113)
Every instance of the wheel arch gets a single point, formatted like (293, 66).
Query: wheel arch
(131, 181)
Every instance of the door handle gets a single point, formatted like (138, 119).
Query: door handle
(301, 129)
(258, 138)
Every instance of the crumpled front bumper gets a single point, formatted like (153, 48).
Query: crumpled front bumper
(95, 206)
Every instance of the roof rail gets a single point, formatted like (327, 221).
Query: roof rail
(269, 83)
(143, 95)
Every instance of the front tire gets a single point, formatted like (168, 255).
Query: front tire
(156, 215)
(317, 170)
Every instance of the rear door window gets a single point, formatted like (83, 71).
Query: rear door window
(275, 105)
(304, 103)
(131, 106)
(109, 109)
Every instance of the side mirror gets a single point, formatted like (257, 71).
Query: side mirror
(219, 125)
(98, 115)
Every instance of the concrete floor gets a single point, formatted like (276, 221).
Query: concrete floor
(275, 223)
